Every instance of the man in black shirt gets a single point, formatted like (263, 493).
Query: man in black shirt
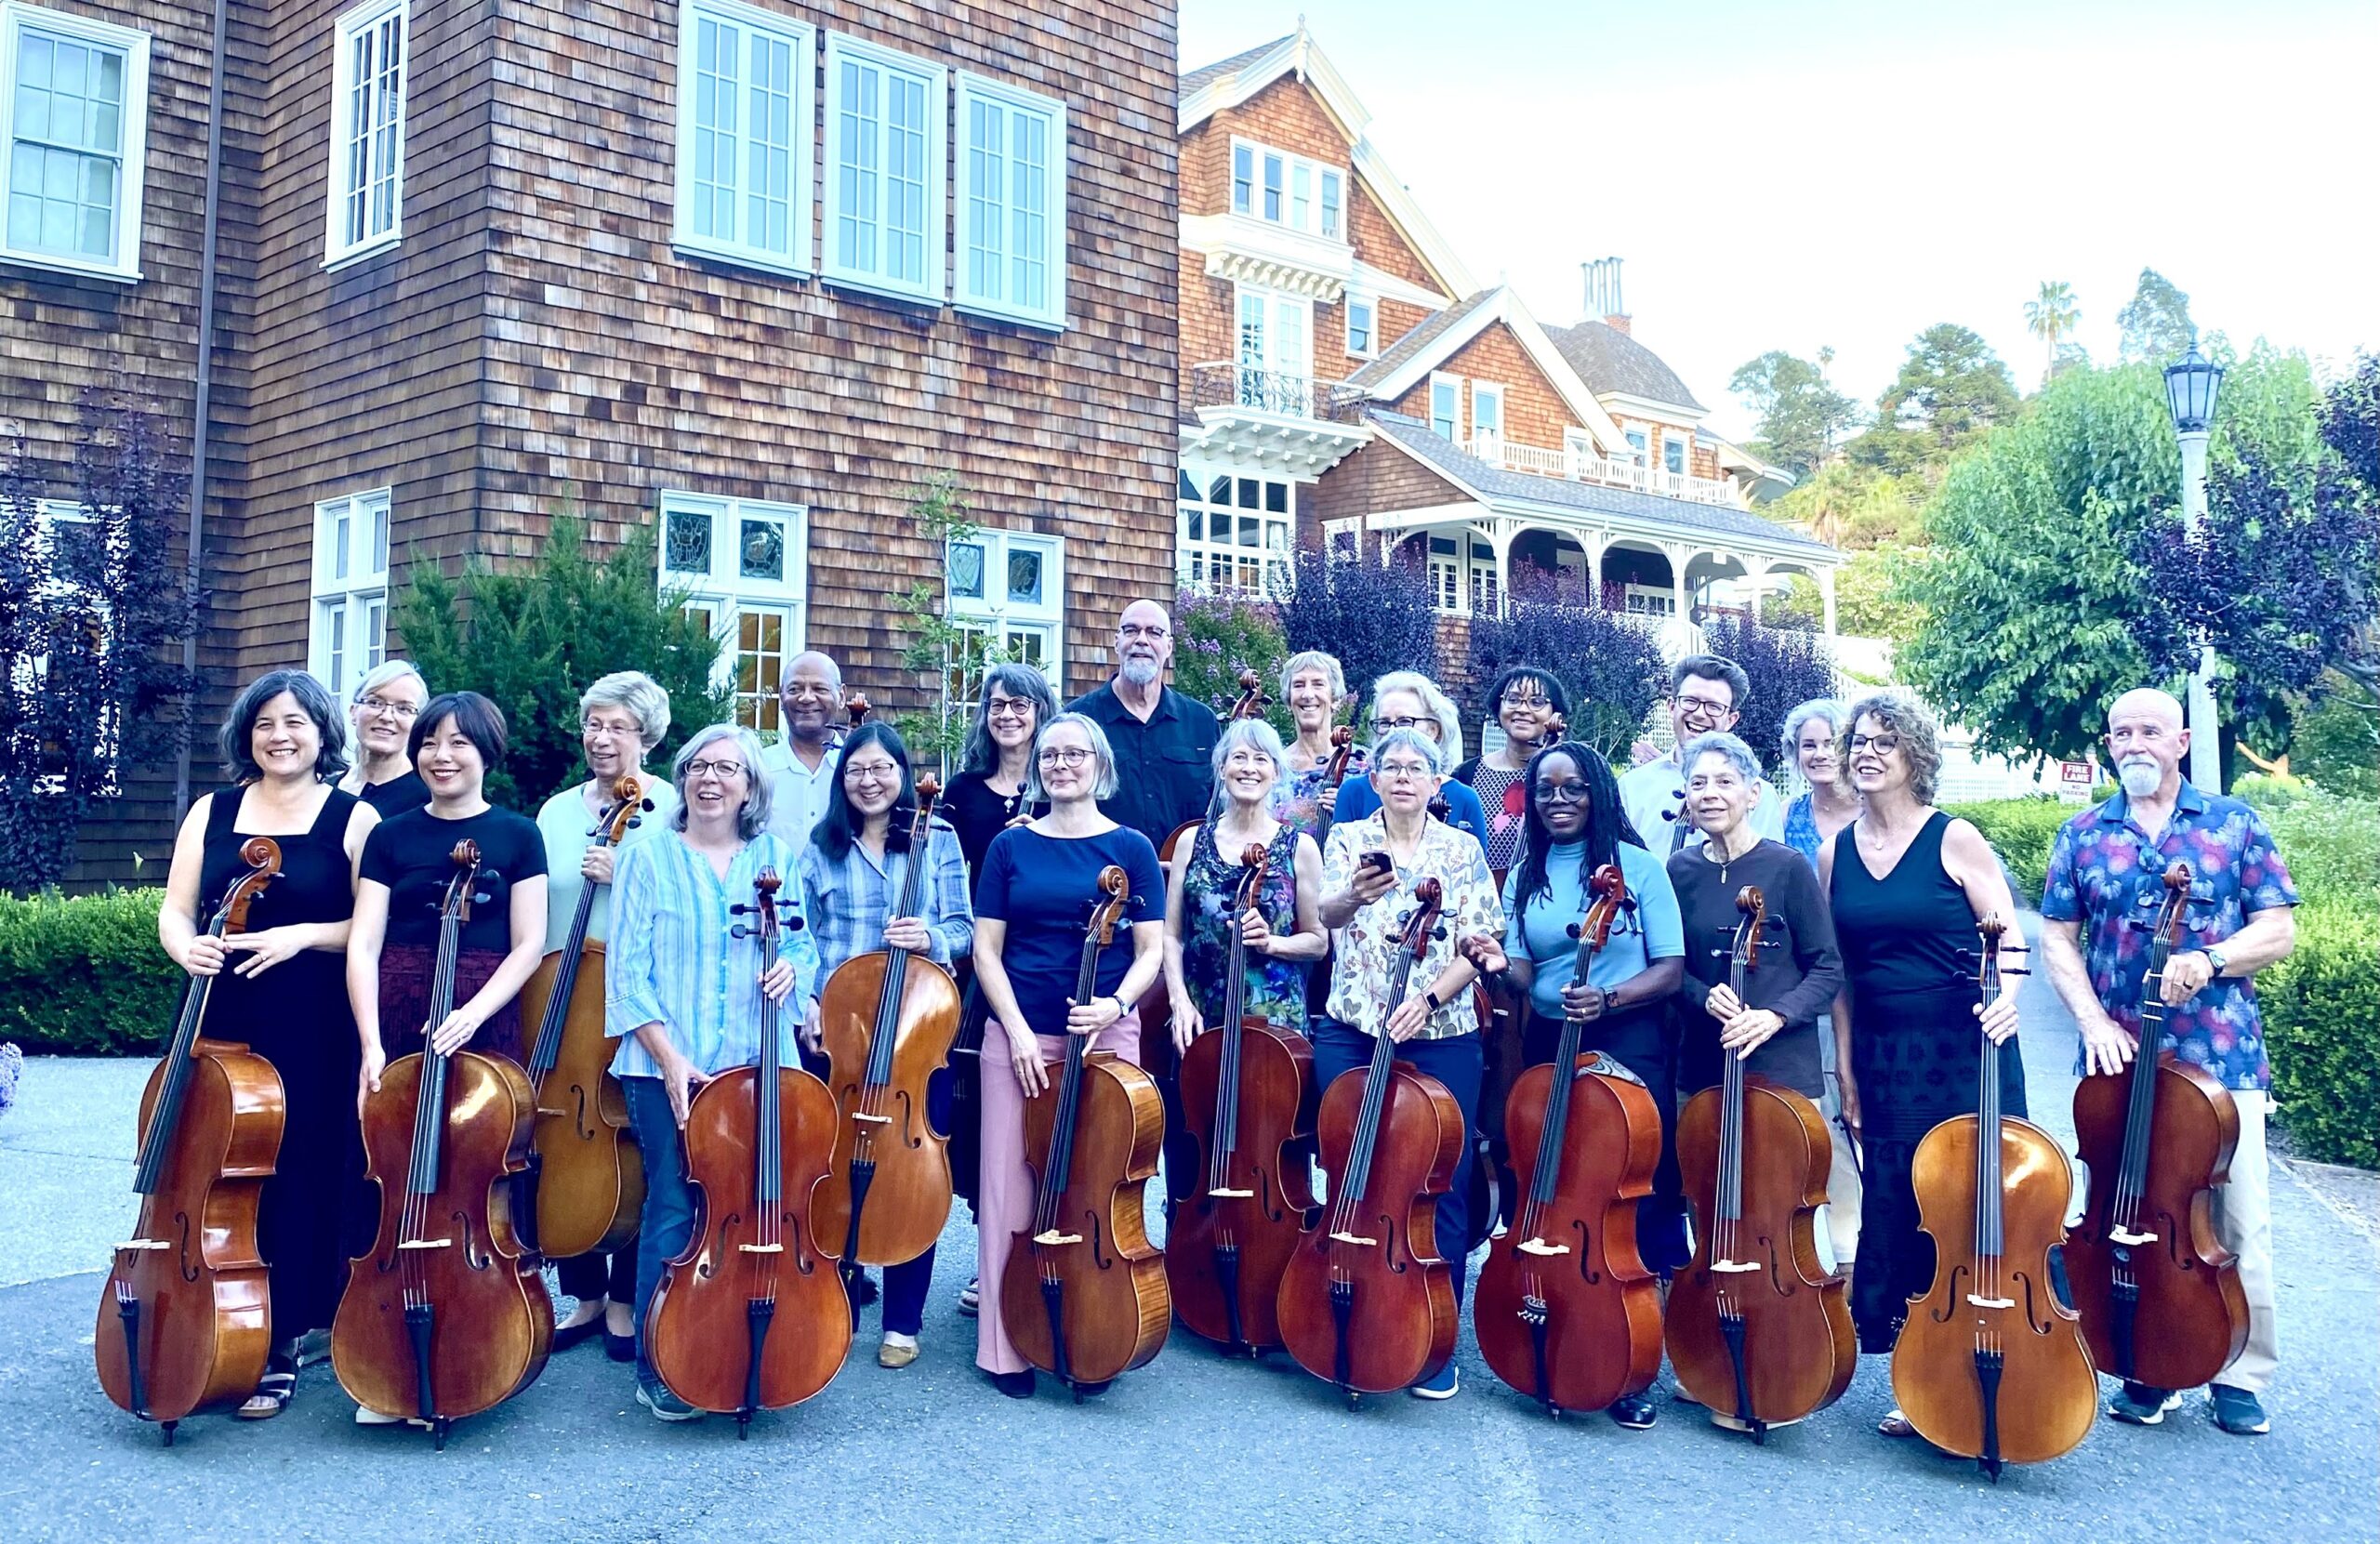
(1164, 742)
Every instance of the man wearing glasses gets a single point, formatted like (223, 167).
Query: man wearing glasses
(800, 766)
(1164, 742)
(1707, 695)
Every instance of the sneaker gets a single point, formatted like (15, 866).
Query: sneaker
(897, 1349)
(2140, 1404)
(970, 1302)
(2237, 1411)
(1445, 1384)
(656, 1396)
(1633, 1413)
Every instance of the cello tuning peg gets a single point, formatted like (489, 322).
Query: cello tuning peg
(739, 930)
(1572, 929)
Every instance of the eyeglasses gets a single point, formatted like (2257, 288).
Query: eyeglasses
(1532, 700)
(1009, 708)
(1703, 708)
(871, 771)
(1882, 744)
(1152, 632)
(1404, 771)
(1429, 726)
(602, 726)
(1065, 756)
(377, 707)
(726, 772)
(1570, 792)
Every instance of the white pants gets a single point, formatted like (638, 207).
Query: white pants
(2243, 1221)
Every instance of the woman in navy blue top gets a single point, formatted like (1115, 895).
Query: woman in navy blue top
(1032, 898)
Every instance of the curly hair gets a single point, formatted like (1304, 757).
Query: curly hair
(1897, 712)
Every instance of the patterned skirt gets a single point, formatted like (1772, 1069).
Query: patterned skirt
(405, 971)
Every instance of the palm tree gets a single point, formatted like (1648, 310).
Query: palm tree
(2051, 317)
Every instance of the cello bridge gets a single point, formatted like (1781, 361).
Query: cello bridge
(1732, 1266)
(2128, 1238)
(1539, 1247)
(427, 1244)
(1357, 1239)
(1220, 1194)
(1990, 1303)
(145, 1243)
(1054, 1237)
(872, 1120)
(760, 1248)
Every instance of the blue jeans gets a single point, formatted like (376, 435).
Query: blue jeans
(906, 1284)
(1454, 1062)
(669, 1217)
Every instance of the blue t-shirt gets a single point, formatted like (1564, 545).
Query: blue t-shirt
(1359, 799)
(1649, 931)
(1044, 889)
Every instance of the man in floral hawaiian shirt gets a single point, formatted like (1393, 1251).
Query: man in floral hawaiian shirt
(2100, 902)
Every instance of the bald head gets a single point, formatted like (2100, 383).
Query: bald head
(2146, 742)
(1144, 643)
(810, 695)
(2147, 700)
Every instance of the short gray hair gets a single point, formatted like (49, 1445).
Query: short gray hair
(1900, 713)
(1255, 732)
(1018, 680)
(639, 694)
(1816, 708)
(753, 818)
(1104, 786)
(1738, 755)
(1413, 740)
(383, 673)
(1433, 702)
(1314, 659)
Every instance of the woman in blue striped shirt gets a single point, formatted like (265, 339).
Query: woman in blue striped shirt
(853, 872)
(683, 995)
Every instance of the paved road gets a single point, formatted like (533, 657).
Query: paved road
(1193, 1448)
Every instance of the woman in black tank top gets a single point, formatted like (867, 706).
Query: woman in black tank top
(1909, 1044)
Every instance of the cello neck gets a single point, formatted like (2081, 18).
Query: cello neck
(1730, 1202)
(429, 1107)
(157, 1142)
(768, 1155)
(1062, 1128)
(548, 1050)
(1988, 1194)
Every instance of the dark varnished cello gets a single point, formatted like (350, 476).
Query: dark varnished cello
(1989, 1365)
(888, 1019)
(448, 1314)
(1565, 1310)
(752, 1317)
(1247, 1099)
(2158, 1294)
(584, 1185)
(186, 1319)
(1758, 1331)
(1334, 773)
(1367, 1303)
(1083, 1295)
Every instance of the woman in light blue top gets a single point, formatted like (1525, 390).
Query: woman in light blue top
(682, 993)
(1812, 742)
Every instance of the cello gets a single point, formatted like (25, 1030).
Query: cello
(448, 1314)
(1334, 772)
(888, 1019)
(1989, 1365)
(584, 1186)
(187, 1292)
(1565, 1310)
(2158, 1294)
(1366, 1304)
(1247, 1099)
(757, 1140)
(1083, 1295)
(1756, 1325)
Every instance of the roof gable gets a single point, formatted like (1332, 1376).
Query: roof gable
(1613, 364)
(1435, 340)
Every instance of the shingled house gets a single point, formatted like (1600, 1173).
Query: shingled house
(746, 271)
(1346, 380)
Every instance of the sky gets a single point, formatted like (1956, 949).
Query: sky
(1825, 173)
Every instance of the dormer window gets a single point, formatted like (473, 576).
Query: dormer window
(1243, 178)
(1673, 454)
(1331, 204)
(1289, 191)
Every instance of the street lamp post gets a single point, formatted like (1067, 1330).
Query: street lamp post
(2192, 383)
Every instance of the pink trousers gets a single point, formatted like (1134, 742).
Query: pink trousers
(1004, 1202)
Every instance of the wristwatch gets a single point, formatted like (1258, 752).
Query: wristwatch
(1121, 1011)
(2215, 960)
(1431, 997)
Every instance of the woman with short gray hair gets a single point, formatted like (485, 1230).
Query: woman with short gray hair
(1314, 684)
(1409, 700)
(1813, 746)
(383, 710)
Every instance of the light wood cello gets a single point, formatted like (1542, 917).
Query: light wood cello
(186, 1319)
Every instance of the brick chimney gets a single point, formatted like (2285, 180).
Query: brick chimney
(1603, 295)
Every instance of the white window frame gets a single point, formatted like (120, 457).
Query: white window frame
(1685, 445)
(1330, 210)
(996, 616)
(1371, 332)
(132, 127)
(1578, 449)
(1481, 434)
(1640, 446)
(725, 597)
(934, 235)
(347, 631)
(803, 39)
(364, 20)
(1454, 420)
(1015, 104)
(1266, 567)
(1283, 360)
(1293, 168)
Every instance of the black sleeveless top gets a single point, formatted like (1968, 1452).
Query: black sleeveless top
(1902, 935)
(313, 886)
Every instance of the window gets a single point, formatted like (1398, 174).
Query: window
(1463, 575)
(1673, 454)
(1445, 405)
(1300, 196)
(1276, 364)
(1639, 447)
(1243, 179)
(884, 163)
(1486, 413)
(76, 95)
(1331, 204)
(1648, 601)
(1011, 203)
(367, 133)
(1273, 165)
(742, 566)
(1286, 189)
(743, 135)
(1363, 326)
(1578, 449)
(1234, 533)
(1007, 592)
(348, 637)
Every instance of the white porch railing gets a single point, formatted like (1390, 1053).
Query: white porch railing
(1540, 462)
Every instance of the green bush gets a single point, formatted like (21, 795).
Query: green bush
(2021, 831)
(1218, 636)
(2322, 1015)
(84, 975)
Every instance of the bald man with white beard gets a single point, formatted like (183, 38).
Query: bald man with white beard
(2103, 894)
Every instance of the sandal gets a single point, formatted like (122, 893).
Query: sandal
(274, 1390)
(1896, 1425)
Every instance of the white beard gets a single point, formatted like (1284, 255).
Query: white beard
(1140, 672)
(2140, 778)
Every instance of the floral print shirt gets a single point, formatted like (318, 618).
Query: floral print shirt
(2106, 874)
(1368, 945)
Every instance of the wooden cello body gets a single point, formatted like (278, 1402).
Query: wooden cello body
(1989, 1364)
(1758, 1330)
(1367, 1303)
(1248, 1099)
(584, 1185)
(448, 1315)
(1565, 1310)
(752, 1317)
(186, 1318)
(888, 1019)
(2158, 1294)
(1083, 1296)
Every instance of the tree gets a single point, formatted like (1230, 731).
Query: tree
(2156, 322)
(1800, 414)
(1787, 667)
(94, 611)
(530, 638)
(2052, 316)
(1611, 668)
(1951, 388)
(1373, 617)
(953, 656)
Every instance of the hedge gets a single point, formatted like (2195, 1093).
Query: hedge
(84, 975)
(2020, 830)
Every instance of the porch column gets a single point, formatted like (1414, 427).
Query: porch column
(1679, 556)
(1500, 537)
(1594, 542)
(1755, 570)
(1826, 591)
